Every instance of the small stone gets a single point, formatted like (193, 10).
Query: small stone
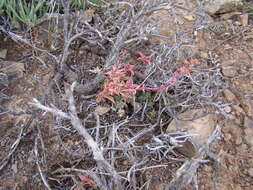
(229, 95)
(3, 53)
(238, 140)
(189, 17)
(228, 47)
(101, 110)
(244, 18)
(229, 71)
(249, 136)
(250, 172)
(195, 33)
(125, 162)
(228, 109)
(237, 23)
(248, 123)
(227, 137)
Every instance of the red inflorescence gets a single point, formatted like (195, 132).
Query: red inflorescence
(119, 80)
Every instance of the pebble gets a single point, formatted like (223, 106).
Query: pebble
(237, 23)
(227, 137)
(248, 123)
(250, 172)
(229, 71)
(229, 95)
(189, 17)
(249, 136)
(238, 140)
(3, 53)
(250, 161)
(244, 147)
(228, 47)
(228, 109)
(102, 110)
(125, 162)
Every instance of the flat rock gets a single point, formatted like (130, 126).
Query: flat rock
(248, 124)
(229, 71)
(202, 127)
(221, 6)
(11, 70)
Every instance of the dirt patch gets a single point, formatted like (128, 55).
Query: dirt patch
(191, 62)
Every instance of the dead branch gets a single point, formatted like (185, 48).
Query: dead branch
(187, 172)
(103, 165)
(38, 165)
(15, 145)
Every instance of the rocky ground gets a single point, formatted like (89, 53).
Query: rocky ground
(227, 41)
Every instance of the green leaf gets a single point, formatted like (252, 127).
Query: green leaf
(12, 11)
(21, 10)
(39, 5)
(95, 2)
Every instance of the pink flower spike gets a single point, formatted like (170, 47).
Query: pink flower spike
(129, 68)
(115, 73)
(140, 88)
(176, 74)
(144, 59)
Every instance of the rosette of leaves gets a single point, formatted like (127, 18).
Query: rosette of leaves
(27, 12)
(81, 4)
(2, 6)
